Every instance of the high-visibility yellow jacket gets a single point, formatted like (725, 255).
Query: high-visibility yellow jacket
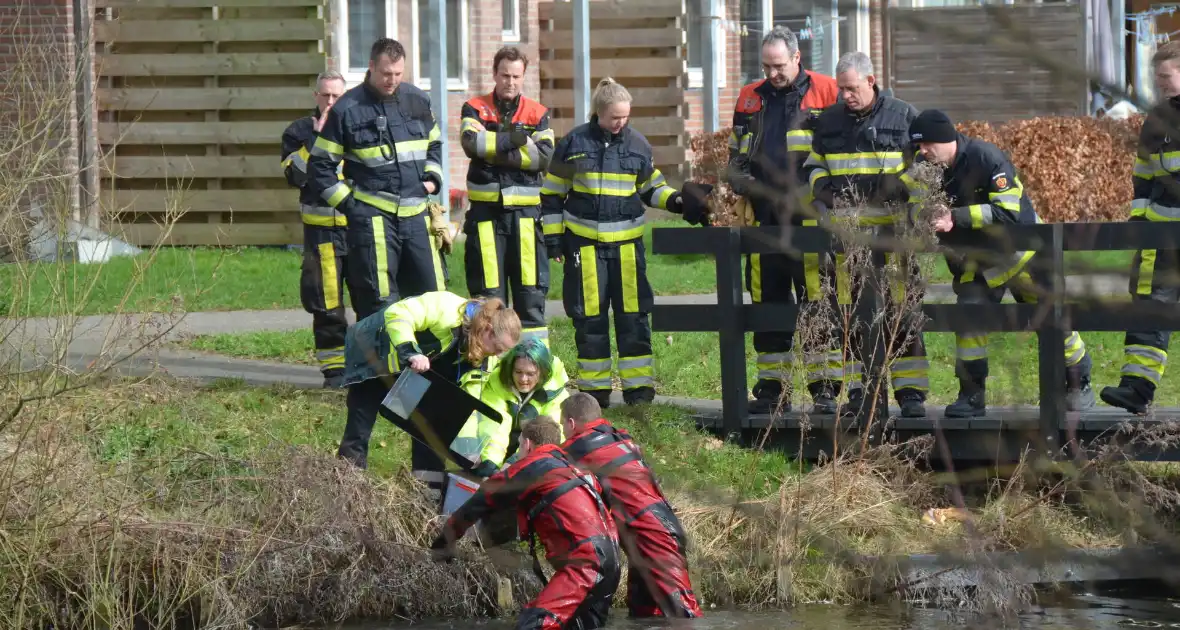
(483, 438)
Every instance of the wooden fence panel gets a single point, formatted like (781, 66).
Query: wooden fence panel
(992, 62)
(641, 43)
(193, 97)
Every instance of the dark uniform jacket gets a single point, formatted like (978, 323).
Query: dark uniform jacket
(500, 170)
(862, 156)
(298, 139)
(1156, 178)
(390, 147)
(771, 138)
(982, 188)
(598, 186)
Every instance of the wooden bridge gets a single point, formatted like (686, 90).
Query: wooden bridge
(1005, 432)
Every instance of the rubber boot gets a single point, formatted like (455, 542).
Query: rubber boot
(823, 396)
(334, 378)
(767, 394)
(639, 396)
(602, 396)
(856, 400)
(911, 403)
(1133, 394)
(972, 401)
(1079, 396)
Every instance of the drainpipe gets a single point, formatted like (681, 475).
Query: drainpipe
(86, 112)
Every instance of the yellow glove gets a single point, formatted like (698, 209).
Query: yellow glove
(744, 212)
(440, 228)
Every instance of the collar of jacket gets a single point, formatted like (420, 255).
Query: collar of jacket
(506, 108)
(377, 95)
(800, 84)
(315, 112)
(599, 133)
(872, 108)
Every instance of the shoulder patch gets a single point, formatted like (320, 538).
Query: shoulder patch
(1001, 180)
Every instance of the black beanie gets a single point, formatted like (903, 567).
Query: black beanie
(932, 126)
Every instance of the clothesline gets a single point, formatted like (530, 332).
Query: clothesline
(809, 31)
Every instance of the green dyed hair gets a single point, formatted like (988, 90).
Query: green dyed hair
(533, 350)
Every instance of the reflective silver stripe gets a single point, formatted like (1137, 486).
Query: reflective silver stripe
(318, 151)
(429, 476)
(594, 384)
(319, 211)
(990, 273)
(468, 447)
(410, 154)
(774, 375)
(411, 202)
(594, 365)
(1134, 369)
(1143, 168)
(1170, 160)
(910, 365)
(491, 188)
(376, 161)
(656, 180)
(638, 381)
(866, 163)
(985, 211)
(332, 191)
(971, 354)
(825, 374)
(641, 362)
(551, 219)
(1147, 352)
(298, 162)
(799, 140)
(555, 185)
(1167, 212)
(597, 183)
(608, 226)
(1140, 204)
(911, 382)
(517, 192)
(776, 357)
(1007, 201)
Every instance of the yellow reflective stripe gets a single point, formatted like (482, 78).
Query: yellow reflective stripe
(431, 167)
(440, 280)
(487, 254)
(521, 195)
(526, 157)
(1144, 169)
(544, 135)
(382, 256)
(630, 272)
(555, 185)
(553, 224)
(589, 264)
(405, 208)
(337, 193)
(327, 148)
(485, 144)
(977, 220)
(528, 252)
(811, 268)
(843, 280)
(328, 275)
(469, 124)
(867, 163)
(338, 220)
(606, 232)
(608, 184)
(799, 140)
(756, 276)
(434, 134)
(1146, 271)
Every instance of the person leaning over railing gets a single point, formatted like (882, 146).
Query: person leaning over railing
(983, 188)
(858, 150)
(1154, 272)
(600, 178)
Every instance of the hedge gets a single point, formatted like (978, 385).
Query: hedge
(1074, 168)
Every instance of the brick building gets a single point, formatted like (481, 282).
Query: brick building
(479, 27)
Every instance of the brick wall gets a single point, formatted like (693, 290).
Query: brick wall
(37, 79)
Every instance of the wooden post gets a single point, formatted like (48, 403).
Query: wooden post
(732, 335)
(438, 92)
(1051, 345)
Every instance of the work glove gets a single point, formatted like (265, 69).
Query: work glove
(693, 205)
(485, 469)
(440, 228)
(744, 211)
(518, 137)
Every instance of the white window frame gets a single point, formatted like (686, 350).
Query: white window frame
(696, 76)
(353, 78)
(512, 35)
(453, 85)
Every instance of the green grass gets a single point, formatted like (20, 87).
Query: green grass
(687, 363)
(234, 420)
(246, 278)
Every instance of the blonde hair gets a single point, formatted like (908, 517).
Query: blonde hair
(493, 316)
(608, 93)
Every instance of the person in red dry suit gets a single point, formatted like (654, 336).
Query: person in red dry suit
(658, 584)
(563, 506)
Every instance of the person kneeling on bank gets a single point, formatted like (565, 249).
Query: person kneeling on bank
(439, 331)
(561, 505)
(527, 383)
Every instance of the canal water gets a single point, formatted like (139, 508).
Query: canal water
(1078, 611)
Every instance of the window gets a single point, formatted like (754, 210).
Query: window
(511, 12)
(694, 30)
(792, 15)
(367, 21)
(456, 44)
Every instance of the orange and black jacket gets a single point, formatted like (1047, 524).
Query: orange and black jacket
(501, 171)
(771, 135)
(598, 186)
(559, 502)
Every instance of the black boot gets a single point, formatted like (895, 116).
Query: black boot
(856, 400)
(334, 378)
(602, 396)
(823, 396)
(1133, 394)
(639, 395)
(912, 404)
(767, 394)
(972, 401)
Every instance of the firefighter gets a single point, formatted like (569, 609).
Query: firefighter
(439, 331)
(562, 506)
(599, 180)
(508, 138)
(983, 188)
(527, 383)
(658, 583)
(321, 282)
(859, 149)
(1154, 272)
(385, 133)
(770, 141)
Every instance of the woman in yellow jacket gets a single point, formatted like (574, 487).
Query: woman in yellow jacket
(525, 384)
(440, 331)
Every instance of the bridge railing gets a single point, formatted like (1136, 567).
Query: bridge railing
(1050, 317)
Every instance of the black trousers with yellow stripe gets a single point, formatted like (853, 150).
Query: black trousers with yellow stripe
(508, 246)
(774, 279)
(390, 258)
(599, 277)
(1155, 276)
(321, 290)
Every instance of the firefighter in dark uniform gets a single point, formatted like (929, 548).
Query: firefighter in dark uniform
(658, 583)
(983, 188)
(562, 506)
(321, 282)
(859, 149)
(770, 141)
(1155, 273)
(508, 139)
(385, 133)
(599, 180)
